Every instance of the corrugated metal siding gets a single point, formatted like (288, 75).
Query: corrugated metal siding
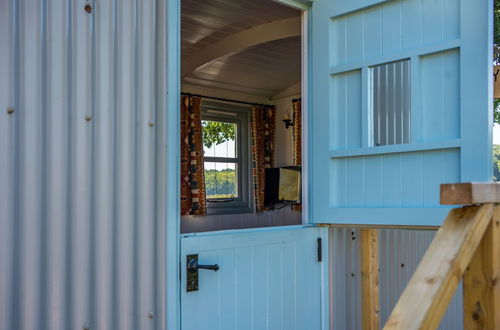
(400, 251)
(82, 156)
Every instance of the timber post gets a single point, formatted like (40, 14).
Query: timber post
(467, 246)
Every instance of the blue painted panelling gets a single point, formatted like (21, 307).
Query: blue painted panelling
(393, 180)
(392, 27)
(346, 117)
(372, 32)
(445, 135)
(440, 98)
(268, 279)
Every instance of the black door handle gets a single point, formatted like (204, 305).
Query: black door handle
(193, 266)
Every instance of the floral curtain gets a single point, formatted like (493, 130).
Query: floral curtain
(297, 132)
(193, 198)
(263, 144)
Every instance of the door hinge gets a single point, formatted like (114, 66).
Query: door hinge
(320, 250)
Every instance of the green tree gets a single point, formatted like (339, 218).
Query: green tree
(220, 184)
(217, 132)
(496, 162)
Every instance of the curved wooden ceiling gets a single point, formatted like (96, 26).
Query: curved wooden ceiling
(261, 70)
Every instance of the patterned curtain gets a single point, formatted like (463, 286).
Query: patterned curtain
(193, 198)
(297, 140)
(263, 142)
(297, 132)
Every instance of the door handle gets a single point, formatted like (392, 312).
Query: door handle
(192, 267)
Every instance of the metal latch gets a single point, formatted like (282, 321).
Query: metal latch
(192, 267)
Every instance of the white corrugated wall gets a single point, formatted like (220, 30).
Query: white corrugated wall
(82, 164)
(400, 252)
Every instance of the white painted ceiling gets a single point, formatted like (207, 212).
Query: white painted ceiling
(262, 70)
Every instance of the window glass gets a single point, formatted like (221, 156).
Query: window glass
(220, 149)
(221, 138)
(227, 159)
(221, 180)
(391, 103)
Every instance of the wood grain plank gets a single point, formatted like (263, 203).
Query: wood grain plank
(370, 301)
(470, 193)
(430, 290)
(482, 281)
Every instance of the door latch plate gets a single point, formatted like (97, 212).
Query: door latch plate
(191, 275)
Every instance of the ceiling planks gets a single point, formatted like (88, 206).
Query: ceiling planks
(262, 70)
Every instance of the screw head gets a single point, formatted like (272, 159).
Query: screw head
(88, 8)
(151, 315)
(10, 110)
(88, 118)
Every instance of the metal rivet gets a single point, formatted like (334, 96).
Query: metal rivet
(402, 265)
(10, 110)
(86, 327)
(151, 124)
(151, 315)
(352, 274)
(88, 8)
(88, 118)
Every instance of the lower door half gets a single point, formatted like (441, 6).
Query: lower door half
(266, 279)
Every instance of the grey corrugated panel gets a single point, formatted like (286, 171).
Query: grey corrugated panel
(400, 251)
(82, 193)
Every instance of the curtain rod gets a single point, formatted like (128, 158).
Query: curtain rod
(228, 100)
(297, 99)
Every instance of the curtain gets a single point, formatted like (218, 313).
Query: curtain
(263, 144)
(297, 139)
(297, 132)
(193, 198)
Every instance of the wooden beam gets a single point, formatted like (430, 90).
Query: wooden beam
(482, 281)
(470, 193)
(427, 295)
(369, 280)
(276, 30)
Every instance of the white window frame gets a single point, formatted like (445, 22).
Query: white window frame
(241, 117)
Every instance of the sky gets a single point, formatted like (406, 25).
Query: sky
(496, 134)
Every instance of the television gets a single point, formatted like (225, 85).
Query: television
(282, 185)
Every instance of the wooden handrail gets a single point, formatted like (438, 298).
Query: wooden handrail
(467, 246)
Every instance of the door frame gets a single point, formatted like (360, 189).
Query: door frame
(172, 144)
(172, 198)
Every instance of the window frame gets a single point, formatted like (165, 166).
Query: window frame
(241, 117)
(372, 120)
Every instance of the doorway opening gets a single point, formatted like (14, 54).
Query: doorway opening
(241, 115)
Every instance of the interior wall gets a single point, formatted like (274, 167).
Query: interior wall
(284, 136)
(284, 157)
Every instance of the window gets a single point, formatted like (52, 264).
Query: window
(226, 158)
(391, 103)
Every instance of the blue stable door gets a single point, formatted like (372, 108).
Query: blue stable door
(400, 102)
(261, 279)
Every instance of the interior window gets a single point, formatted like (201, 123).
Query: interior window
(391, 103)
(221, 161)
(226, 158)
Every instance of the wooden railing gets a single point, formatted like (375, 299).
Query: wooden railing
(467, 246)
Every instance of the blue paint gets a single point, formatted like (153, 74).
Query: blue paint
(268, 279)
(350, 180)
